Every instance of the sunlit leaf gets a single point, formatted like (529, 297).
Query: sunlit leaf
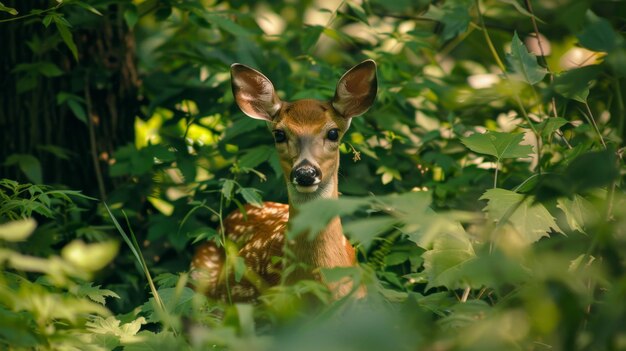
(531, 220)
(18, 230)
(500, 145)
(10, 10)
(454, 15)
(90, 257)
(443, 263)
(95, 293)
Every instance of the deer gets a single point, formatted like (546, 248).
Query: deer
(307, 135)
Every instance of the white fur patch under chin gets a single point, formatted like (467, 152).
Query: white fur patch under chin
(307, 189)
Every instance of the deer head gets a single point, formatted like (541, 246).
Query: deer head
(307, 132)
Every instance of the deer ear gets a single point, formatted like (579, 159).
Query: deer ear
(254, 92)
(356, 90)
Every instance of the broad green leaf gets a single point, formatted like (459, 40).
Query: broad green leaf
(598, 35)
(251, 196)
(524, 64)
(531, 220)
(90, 257)
(575, 84)
(18, 230)
(550, 125)
(95, 293)
(28, 164)
(315, 215)
(176, 301)
(579, 213)
(604, 170)
(444, 262)
(500, 145)
(454, 15)
(112, 326)
(365, 230)
(66, 35)
(10, 10)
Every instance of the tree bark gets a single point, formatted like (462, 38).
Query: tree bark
(104, 79)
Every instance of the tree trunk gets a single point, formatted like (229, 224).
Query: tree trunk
(103, 82)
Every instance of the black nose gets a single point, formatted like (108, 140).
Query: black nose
(305, 175)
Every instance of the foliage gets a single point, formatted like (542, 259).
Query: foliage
(483, 190)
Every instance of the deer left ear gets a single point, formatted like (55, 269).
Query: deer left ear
(356, 90)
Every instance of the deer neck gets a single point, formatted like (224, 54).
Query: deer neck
(328, 248)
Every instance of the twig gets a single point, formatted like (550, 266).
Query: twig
(92, 141)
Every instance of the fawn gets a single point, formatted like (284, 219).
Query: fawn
(307, 134)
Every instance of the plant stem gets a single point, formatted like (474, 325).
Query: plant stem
(92, 141)
(33, 14)
(495, 177)
(595, 125)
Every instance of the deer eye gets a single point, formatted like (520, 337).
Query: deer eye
(280, 136)
(333, 134)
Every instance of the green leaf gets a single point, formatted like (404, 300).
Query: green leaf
(131, 16)
(251, 196)
(28, 164)
(575, 84)
(239, 268)
(443, 264)
(177, 301)
(579, 213)
(454, 15)
(95, 293)
(88, 7)
(255, 156)
(550, 125)
(310, 36)
(598, 35)
(77, 110)
(524, 64)
(112, 326)
(227, 188)
(500, 145)
(358, 11)
(531, 220)
(18, 230)
(10, 10)
(604, 166)
(90, 257)
(365, 230)
(315, 215)
(228, 25)
(66, 35)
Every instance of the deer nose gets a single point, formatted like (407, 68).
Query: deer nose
(305, 175)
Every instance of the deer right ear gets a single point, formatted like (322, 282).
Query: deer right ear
(254, 92)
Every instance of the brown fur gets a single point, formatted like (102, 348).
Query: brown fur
(262, 236)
